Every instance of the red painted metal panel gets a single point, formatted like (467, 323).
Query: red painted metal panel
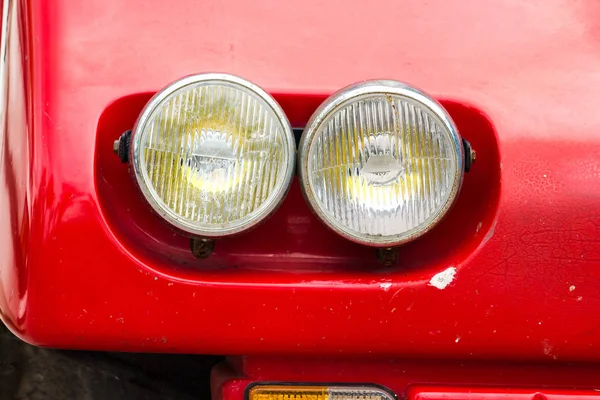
(414, 379)
(477, 393)
(526, 282)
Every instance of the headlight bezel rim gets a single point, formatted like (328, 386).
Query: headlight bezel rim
(343, 97)
(261, 213)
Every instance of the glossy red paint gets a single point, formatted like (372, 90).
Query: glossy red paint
(415, 379)
(526, 284)
(470, 393)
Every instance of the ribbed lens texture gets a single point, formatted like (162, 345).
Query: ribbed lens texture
(342, 393)
(214, 153)
(289, 393)
(382, 166)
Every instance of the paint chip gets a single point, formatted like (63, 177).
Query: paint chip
(385, 286)
(571, 288)
(443, 279)
(547, 347)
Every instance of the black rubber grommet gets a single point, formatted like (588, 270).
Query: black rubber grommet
(468, 155)
(124, 143)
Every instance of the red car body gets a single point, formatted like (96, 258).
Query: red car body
(84, 263)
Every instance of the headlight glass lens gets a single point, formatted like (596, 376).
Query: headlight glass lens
(213, 154)
(381, 162)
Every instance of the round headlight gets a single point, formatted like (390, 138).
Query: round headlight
(213, 154)
(380, 162)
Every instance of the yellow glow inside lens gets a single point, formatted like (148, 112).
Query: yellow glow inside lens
(214, 154)
(382, 166)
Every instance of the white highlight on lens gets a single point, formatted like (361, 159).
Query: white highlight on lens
(213, 154)
(380, 162)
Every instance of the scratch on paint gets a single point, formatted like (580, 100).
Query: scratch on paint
(490, 233)
(479, 225)
(443, 279)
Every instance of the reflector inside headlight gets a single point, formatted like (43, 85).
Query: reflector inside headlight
(275, 392)
(381, 162)
(213, 154)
